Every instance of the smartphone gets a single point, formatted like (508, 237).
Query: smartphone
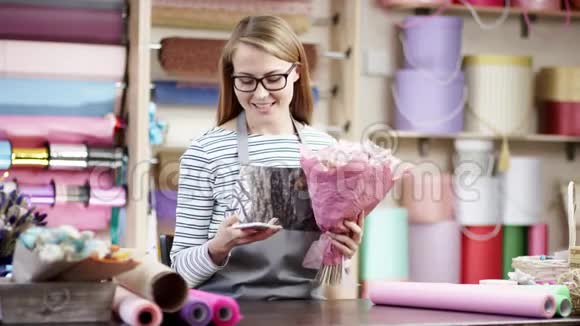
(255, 226)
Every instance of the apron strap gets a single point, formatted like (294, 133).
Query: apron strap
(242, 137)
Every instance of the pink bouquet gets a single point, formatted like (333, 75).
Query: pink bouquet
(344, 180)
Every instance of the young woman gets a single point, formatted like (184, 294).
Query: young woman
(248, 169)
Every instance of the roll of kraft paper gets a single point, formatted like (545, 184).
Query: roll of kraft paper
(435, 252)
(83, 4)
(39, 195)
(473, 298)
(44, 23)
(481, 253)
(226, 311)
(58, 97)
(30, 157)
(5, 154)
(515, 244)
(538, 240)
(37, 130)
(156, 282)
(55, 60)
(134, 310)
(385, 245)
(522, 191)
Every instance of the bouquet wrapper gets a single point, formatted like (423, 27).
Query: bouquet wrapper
(156, 282)
(135, 310)
(343, 192)
(28, 267)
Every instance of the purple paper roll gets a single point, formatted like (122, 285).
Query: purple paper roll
(40, 23)
(39, 195)
(196, 312)
(435, 252)
(511, 300)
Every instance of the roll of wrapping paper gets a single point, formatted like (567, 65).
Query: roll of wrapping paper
(29, 157)
(39, 194)
(156, 282)
(481, 253)
(107, 157)
(102, 179)
(37, 130)
(276, 7)
(196, 312)
(71, 194)
(473, 298)
(56, 60)
(522, 191)
(215, 19)
(515, 244)
(111, 197)
(45, 23)
(58, 97)
(134, 310)
(428, 198)
(83, 4)
(63, 156)
(537, 240)
(226, 311)
(385, 245)
(197, 59)
(5, 154)
(435, 252)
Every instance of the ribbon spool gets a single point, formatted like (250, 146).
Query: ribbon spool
(30, 157)
(71, 194)
(64, 156)
(108, 157)
(5, 155)
(39, 195)
(113, 197)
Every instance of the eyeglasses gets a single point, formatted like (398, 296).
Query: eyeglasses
(272, 83)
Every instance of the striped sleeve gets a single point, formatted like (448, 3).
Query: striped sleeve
(189, 253)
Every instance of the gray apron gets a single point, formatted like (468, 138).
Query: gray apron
(270, 269)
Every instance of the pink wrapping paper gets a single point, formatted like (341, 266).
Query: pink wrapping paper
(226, 311)
(464, 297)
(113, 196)
(30, 59)
(96, 177)
(428, 197)
(538, 240)
(134, 310)
(537, 4)
(37, 130)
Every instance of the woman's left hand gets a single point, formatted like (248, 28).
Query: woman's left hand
(348, 243)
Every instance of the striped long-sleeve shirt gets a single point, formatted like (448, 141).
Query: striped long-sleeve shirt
(208, 172)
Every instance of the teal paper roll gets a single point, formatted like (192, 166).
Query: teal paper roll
(5, 154)
(385, 245)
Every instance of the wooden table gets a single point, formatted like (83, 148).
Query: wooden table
(362, 312)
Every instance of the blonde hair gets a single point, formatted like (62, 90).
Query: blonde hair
(275, 36)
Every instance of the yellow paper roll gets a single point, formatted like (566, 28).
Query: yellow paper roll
(559, 84)
(30, 157)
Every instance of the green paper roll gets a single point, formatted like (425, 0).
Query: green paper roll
(385, 245)
(563, 305)
(515, 244)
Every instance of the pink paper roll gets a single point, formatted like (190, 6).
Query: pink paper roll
(111, 197)
(77, 215)
(538, 240)
(428, 197)
(96, 178)
(435, 252)
(135, 310)
(537, 4)
(37, 130)
(226, 311)
(30, 59)
(465, 297)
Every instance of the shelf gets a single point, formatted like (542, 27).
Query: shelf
(543, 138)
(460, 9)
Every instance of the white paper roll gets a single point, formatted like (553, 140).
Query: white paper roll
(478, 201)
(522, 192)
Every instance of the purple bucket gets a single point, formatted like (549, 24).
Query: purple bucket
(432, 43)
(425, 105)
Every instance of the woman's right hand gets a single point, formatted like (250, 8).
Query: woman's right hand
(228, 237)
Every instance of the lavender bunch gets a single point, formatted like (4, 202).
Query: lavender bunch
(16, 216)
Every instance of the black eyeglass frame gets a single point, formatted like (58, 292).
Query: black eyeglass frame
(260, 80)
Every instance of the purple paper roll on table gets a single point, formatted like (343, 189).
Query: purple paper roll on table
(196, 312)
(425, 105)
(45, 23)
